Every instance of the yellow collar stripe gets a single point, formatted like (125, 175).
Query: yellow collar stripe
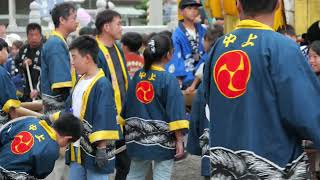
(115, 85)
(51, 132)
(157, 68)
(251, 24)
(56, 33)
(86, 94)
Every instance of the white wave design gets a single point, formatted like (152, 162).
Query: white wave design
(149, 133)
(244, 165)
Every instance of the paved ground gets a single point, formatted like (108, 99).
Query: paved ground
(187, 169)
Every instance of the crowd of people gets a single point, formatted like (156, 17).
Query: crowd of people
(116, 101)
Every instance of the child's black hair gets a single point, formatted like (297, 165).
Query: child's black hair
(254, 7)
(61, 10)
(86, 45)
(287, 29)
(315, 46)
(87, 31)
(68, 125)
(3, 44)
(132, 40)
(158, 47)
(213, 33)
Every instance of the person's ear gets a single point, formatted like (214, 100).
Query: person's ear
(106, 27)
(62, 20)
(67, 138)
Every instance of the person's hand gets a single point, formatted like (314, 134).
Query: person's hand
(101, 159)
(34, 94)
(27, 62)
(179, 149)
(190, 89)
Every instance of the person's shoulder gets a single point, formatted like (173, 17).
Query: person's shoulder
(3, 71)
(53, 41)
(103, 82)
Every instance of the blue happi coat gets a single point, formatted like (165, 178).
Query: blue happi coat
(8, 97)
(154, 109)
(183, 63)
(55, 72)
(98, 114)
(264, 100)
(28, 146)
(198, 136)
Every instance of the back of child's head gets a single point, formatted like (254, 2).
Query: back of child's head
(313, 33)
(86, 45)
(315, 46)
(213, 33)
(254, 7)
(132, 40)
(87, 31)
(18, 44)
(167, 33)
(68, 125)
(3, 44)
(61, 10)
(158, 47)
(288, 29)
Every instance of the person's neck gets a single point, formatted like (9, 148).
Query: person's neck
(92, 71)
(106, 39)
(267, 19)
(63, 32)
(159, 64)
(188, 24)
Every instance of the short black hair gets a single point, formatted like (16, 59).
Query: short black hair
(254, 7)
(61, 10)
(3, 44)
(104, 17)
(68, 125)
(33, 26)
(132, 40)
(18, 44)
(86, 45)
(313, 32)
(288, 29)
(87, 31)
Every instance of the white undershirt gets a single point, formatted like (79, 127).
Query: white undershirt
(77, 95)
(192, 33)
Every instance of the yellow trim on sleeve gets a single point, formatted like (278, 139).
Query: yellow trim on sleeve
(9, 104)
(48, 129)
(179, 124)
(120, 120)
(251, 24)
(104, 135)
(58, 85)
